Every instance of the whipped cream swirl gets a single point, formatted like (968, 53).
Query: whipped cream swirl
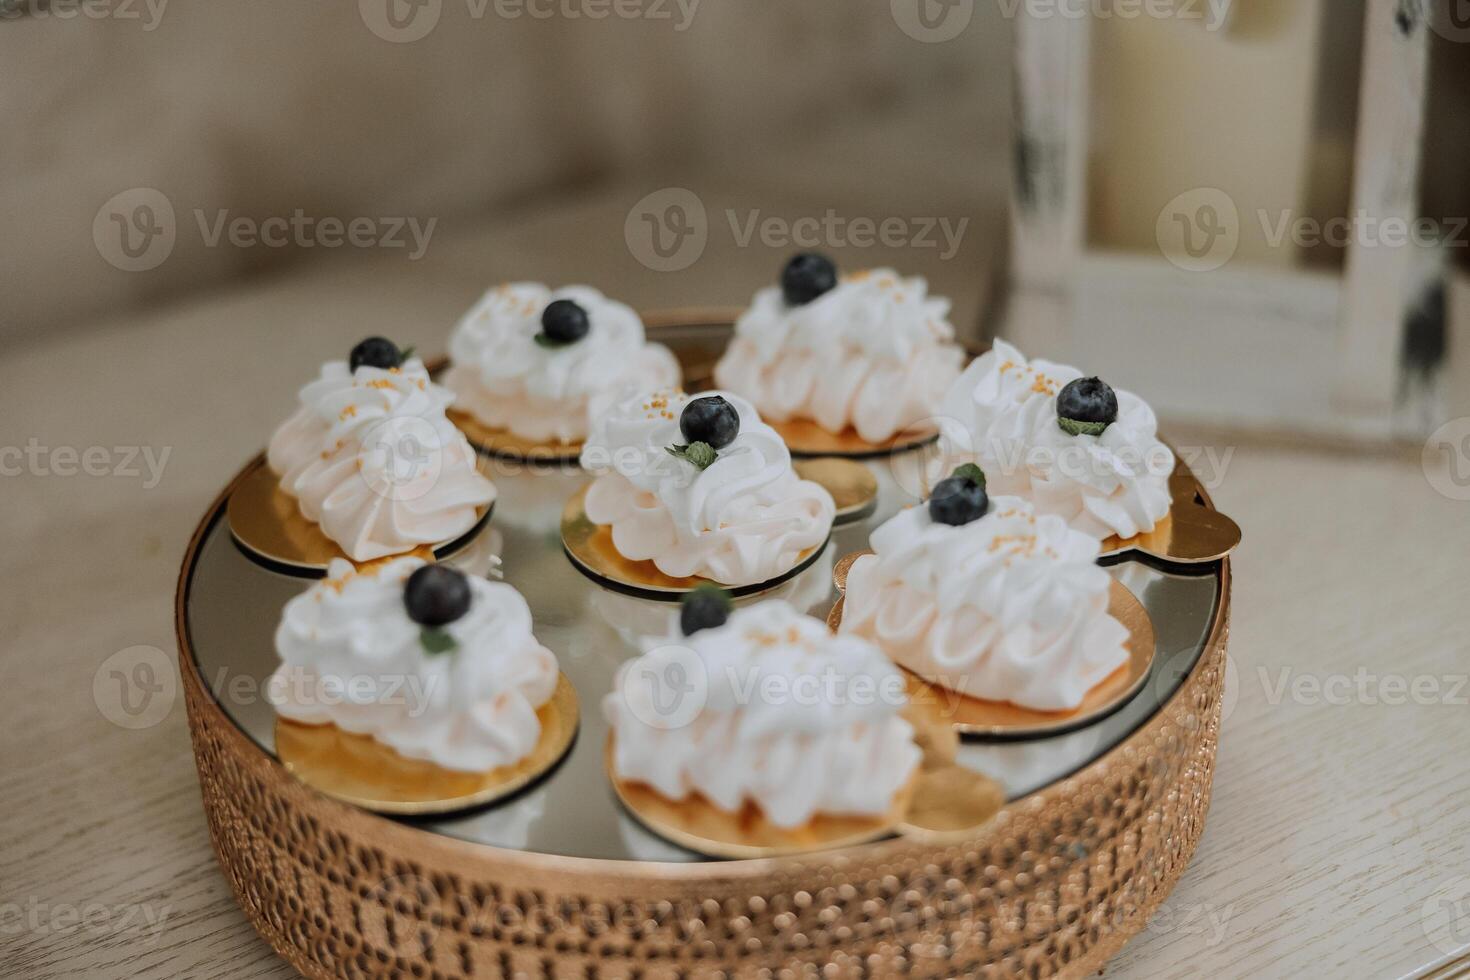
(506, 380)
(1011, 607)
(372, 458)
(781, 714)
(875, 354)
(1002, 415)
(351, 656)
(745, 519)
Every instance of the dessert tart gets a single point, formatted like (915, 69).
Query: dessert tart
(409, 687)
(851, 366)
(784, 738)
(369, 466)
(530, 363)
(692, 489)
(1075, 448)
(1004, 607)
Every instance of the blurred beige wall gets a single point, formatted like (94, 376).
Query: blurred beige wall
(264, 107)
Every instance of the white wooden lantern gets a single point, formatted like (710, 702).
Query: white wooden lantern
(1243, 343)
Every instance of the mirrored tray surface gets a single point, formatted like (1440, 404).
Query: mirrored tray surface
(233, 605)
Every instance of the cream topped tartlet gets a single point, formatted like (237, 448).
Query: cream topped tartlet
(1070, 445)
(532, 361)
(701, 487)
(434, 664)
(371, 457)
(988, 598)
(872, 352)
(784, 715)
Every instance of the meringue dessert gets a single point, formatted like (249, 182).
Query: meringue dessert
(1071, 446)
(702, 488)
(871, 352)
(534, 362)
(434, 664)
(794, 721)
(988, 598)
(371, 457)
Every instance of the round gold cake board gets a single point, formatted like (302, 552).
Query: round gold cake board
(590, 549)
(360, 770)
(806, 438)
(1002, 720)
(268, 526)
(507, 445)
(941, 800)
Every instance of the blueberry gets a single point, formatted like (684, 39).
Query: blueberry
(706, 608)
(1090, 402)
(710, 420)
(436, 595)
(378, 352)
(806, 277)
(564, 322)
(957, 501)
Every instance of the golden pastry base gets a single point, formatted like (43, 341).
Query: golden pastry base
(1001, 719)
(499, 442)
(698, 825)
(1055, 885)
(806, 438)
(940, 801)
(359, 769)
(268, 526)
(590, 549)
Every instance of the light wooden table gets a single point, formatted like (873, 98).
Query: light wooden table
(1336, 845)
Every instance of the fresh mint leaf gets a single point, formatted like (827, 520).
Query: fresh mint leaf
(1074, 428)
(971, 472)
(436, 641)
(701, 454)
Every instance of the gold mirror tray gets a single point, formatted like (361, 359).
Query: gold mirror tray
(559, 880)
